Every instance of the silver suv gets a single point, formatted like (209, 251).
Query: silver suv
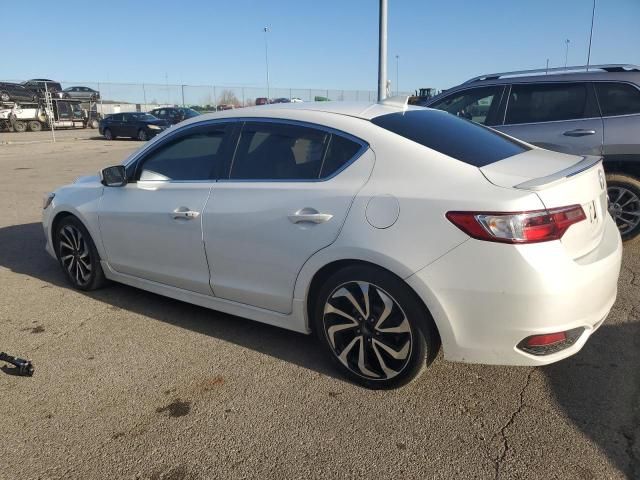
(578, 110)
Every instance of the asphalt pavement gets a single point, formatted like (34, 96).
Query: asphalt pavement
(129, 384)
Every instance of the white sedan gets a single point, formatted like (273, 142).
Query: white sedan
(387, 230)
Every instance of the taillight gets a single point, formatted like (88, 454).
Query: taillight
(518, 227)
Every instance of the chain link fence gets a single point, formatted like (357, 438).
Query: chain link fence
(209, 97)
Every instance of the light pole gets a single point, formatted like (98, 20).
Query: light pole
(593, 14)
(266, 60)
(566, 52)
(382, 52)
(397, 82)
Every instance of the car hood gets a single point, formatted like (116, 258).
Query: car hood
(88, 179)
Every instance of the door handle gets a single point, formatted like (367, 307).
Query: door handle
(579, 132)
(184, 213)
(309, 215)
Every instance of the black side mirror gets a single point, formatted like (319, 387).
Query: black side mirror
(115, 176)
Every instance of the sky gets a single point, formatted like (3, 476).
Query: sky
(312, 44)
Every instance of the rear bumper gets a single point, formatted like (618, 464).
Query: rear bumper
(487, 297)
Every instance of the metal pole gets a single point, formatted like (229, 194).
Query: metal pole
(593, 13)
(547, 68)
(397, 81)
(266, 59)
(182, 87)
(243, 102)
(144, 96)
(382, 52)
(566, 52)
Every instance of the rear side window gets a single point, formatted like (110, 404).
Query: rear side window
(546, 102)
(460, 139)
(277, 151)
(618, 98)
(190, 158)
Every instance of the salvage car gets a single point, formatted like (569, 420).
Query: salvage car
(142, 126)
(385, 229)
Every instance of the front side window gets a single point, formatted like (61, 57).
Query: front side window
(546, 103)
(618, 98)
(193, 157)
(478, 104)
(274, 151)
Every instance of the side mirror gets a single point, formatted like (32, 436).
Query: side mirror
(115, 176)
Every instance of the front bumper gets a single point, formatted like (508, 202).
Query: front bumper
(487, 297)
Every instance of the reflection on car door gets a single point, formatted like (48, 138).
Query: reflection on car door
(278, 206)
(563, 117)
(480, 104)
(151, 228)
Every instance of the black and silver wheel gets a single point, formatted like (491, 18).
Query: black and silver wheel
(77, 254)
(19, 126)
(624, 204)
(108, 135)
(4, 97)
(374, 327)
(142, 135)
(35, 126)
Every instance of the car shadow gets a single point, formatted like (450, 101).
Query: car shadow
(23, 252)
(599, 391)
(119, 139)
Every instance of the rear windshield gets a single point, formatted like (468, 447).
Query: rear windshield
(453, 136)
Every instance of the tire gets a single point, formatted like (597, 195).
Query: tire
(624, 204)
(77, 255)
(108, 135)
(5, 97)
(93, 123)
(19, 126)
(35, 126)
(142, 135)
(356, 343)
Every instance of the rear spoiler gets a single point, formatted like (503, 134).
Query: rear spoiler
(539, 183)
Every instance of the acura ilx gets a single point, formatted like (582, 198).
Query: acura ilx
(388, 231)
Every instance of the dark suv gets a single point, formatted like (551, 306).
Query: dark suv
(41, 85)
(173, 115)
(15, 92)
(577, 110)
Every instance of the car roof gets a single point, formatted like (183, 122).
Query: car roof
(363, 110)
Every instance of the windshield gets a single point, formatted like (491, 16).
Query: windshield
(143, 116)
(189, 113)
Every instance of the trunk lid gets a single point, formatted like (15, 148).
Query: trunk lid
(560, 180)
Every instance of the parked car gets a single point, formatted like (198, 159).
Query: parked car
(262, 101)
(281, 100)
(296, 100)
(173, 115)
(594, 112)
(82, 93)
(383, 230)
(142, 126)
(41, 85)
(224, 106)
(15, 92)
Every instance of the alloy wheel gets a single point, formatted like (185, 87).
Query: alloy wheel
(75, 254)
(624, 207)
(367, 330)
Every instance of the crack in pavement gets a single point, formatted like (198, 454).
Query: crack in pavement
(505, 443)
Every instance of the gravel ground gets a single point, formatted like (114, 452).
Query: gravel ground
(129, 384)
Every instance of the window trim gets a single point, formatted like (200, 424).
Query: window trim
(598, 97)
(235, 138)
(587, 83)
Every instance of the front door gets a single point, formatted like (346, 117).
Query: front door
(563, 117)
(152, 227)
(286, 197)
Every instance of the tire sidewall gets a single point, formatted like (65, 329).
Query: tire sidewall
(142, 135)
(630, 183)
(424, 344)
(108, 136)
(96, 276)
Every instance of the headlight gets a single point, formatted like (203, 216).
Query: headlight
(47, 200)
(154, 127)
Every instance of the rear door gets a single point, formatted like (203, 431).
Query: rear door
(562, 116)
(287, 195)
(480, 104)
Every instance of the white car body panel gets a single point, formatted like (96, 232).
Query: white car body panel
(244, 257)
